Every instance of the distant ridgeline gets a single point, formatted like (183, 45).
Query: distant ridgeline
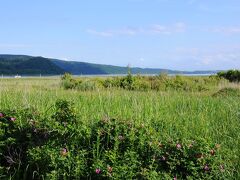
(26, 65)
(29, 65)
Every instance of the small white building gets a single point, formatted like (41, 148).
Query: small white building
(17, 76)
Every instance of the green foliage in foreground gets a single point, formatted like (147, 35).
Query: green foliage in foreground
(36, 147)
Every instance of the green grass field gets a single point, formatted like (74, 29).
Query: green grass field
(176, 115)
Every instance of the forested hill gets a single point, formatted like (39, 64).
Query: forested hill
(79, 68)
(29, 65)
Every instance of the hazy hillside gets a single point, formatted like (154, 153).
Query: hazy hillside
(89, 68)
(28, 65)
(78, 68)
(84, 68)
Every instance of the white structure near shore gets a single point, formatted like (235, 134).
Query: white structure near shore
(17, 76)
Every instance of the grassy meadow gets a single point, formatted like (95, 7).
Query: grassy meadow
(154, 131)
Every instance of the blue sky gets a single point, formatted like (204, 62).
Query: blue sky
(173, 34)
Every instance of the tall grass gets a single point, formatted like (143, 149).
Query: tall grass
(173, 114)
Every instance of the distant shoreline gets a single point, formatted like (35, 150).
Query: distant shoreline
(97, 75)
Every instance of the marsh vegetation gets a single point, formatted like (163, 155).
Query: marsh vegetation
(131, 127)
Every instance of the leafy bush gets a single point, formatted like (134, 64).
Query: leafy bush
(111, 82)
(183, 159)
(86, 85)
(127, 82)
(64, 112)
(231, 75)
(63, 147)
(17, 135)
(143, 83)
(68, 82)
(180, 83)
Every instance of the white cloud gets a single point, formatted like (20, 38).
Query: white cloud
(205, 58)
(160, 29)
(109, 33)
(100, 33)
(227, 30)
(219, 58)
(178, 27)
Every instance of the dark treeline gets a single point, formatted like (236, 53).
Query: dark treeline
(231, 75)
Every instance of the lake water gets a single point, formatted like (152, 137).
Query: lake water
(102, 75)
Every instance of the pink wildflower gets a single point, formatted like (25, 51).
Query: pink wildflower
(178, 146)
(206, 168)
(12, 119)
(98, 171)
(1, 115)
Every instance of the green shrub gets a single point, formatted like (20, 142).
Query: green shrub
(143, 83)
(68, 82)
(231, 75)
(86, 85)
(112, 82)
(62, 147)
(183, 159)
(64, 112)
(127, 82)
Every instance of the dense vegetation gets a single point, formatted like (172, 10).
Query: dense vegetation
(162, 82)
(231, 75)
(119, 132)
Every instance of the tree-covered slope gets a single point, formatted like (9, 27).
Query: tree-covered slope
(78, 68)
(26, 65)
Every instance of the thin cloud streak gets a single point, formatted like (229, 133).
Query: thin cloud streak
(176, 28)
(227, 30)
(110, 33)
(209, 57)
(179, 27)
